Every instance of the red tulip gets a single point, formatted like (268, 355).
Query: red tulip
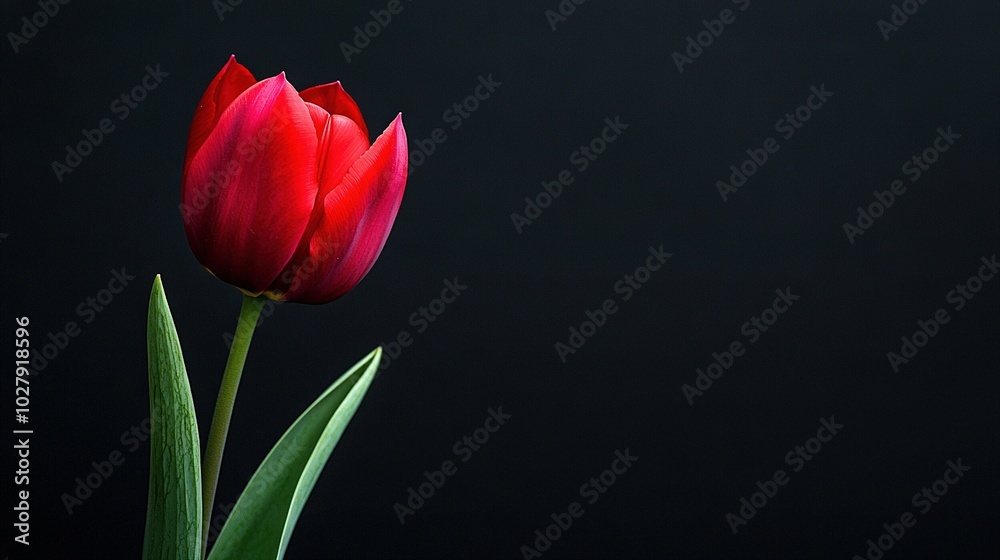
(282, 193)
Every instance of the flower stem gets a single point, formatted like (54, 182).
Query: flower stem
(212, 461)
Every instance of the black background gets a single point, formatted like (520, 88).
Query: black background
(494, 346)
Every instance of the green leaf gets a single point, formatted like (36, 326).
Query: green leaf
(173, 516)
(262, 522)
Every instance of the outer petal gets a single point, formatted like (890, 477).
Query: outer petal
(227, 85)
(356, 221)
(251, 187)
(335, 100)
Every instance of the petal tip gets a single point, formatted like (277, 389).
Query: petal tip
(397, 126)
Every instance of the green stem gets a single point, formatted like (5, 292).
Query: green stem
(212, 461)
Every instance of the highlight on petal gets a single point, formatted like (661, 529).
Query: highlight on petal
(335, 101)
(227, 85)
(342, 144)
(357, 217)
(252, 186)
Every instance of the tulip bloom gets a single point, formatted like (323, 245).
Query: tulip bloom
(282, 194)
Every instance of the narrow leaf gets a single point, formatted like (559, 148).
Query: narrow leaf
(173, 515)
(262, 522)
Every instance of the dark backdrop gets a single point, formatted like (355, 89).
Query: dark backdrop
(890, 92)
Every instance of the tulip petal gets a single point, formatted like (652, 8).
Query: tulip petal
(319, 117)
(342, 144)
(357, 217)
(336, 101)
(251, 188)
(227, 85)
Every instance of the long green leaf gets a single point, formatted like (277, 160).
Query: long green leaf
(262, 522)
(173, 515)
